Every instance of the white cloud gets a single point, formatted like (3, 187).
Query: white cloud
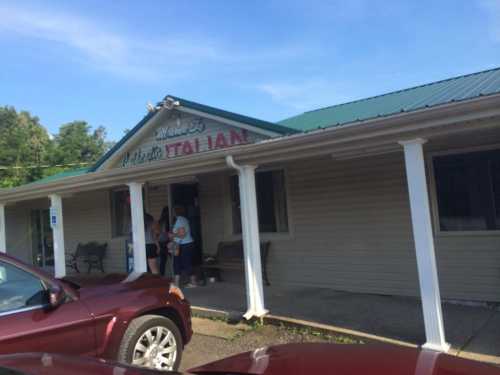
(171, 56)
(306, 94)
(115, 52)
(492, 8)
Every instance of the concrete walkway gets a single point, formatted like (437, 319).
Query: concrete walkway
(473, 332)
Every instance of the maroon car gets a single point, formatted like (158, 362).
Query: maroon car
(291, 359)
(140, 318)
(370, 359)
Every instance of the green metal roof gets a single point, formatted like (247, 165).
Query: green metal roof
(261, 124)
(265, 125)
(61, 175)
(456, 89)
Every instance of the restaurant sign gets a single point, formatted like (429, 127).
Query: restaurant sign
(186, 136)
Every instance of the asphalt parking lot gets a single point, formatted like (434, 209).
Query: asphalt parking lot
(214, 339)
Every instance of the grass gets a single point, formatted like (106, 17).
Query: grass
(306, 331)
(257, 324)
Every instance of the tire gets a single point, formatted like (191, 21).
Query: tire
(138, 347)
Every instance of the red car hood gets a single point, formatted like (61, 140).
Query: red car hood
(53, 364)
(310, 359)
(114, 283)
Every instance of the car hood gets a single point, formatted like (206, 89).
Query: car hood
(53, 364)
(113, 283)
(308, 359)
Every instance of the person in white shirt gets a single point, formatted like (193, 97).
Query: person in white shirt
(183, 257)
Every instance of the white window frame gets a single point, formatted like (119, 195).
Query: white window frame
(266, 235)
(433, 192)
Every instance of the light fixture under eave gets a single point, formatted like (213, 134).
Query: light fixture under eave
(170, 103)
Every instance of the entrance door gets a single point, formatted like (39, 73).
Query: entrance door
(42, 239)
(186, 195)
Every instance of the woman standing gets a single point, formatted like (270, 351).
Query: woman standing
(183, 258)
(152, 246)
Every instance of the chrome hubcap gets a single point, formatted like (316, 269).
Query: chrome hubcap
(156, 348)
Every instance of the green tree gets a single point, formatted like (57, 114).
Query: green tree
(23, 147)
(27, 152)
(76, 144)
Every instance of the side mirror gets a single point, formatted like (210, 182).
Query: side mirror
(56, 296)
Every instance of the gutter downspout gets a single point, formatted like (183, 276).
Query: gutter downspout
(251, 239)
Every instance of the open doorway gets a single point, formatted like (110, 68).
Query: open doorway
(42, 240)
(186, 195)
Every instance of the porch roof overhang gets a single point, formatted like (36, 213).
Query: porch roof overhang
(363, 138)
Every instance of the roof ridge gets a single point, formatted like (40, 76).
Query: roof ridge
(397, 91)
(270, 123)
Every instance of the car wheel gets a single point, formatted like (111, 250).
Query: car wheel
(152, 341)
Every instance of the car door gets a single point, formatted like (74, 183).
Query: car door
(28, 325)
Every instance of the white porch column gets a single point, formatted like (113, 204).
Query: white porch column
(251, 239)
(138, 235)
(424, 245)
(57, 225)
(3, 234)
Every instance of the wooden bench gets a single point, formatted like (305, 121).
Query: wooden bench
(230, 257)
(92, 253)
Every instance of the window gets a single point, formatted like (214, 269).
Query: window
(19, 289)
(468, 191)
(271, 202)
(120, 213)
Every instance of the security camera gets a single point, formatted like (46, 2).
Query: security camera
(170, 103)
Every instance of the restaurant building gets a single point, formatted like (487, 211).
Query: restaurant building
(380, 195)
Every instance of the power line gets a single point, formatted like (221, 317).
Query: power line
(3, 167)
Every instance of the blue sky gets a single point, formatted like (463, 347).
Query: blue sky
(102, 61)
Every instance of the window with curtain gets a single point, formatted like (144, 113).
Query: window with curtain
(468, 191)
(271, 202)
(120, 213)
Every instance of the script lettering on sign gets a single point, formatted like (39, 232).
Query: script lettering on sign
(160, 150)
(195, 126)
(141, 156)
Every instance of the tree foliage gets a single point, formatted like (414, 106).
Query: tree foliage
(76, 143)
(23, 143)
(28, 152)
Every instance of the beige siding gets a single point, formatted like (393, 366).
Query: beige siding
(351, 230)
(350, 227)
(157, 199)
(212, 192)
(87, 218)
(469, 267)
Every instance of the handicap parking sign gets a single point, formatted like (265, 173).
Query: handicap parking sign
(53, 217)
